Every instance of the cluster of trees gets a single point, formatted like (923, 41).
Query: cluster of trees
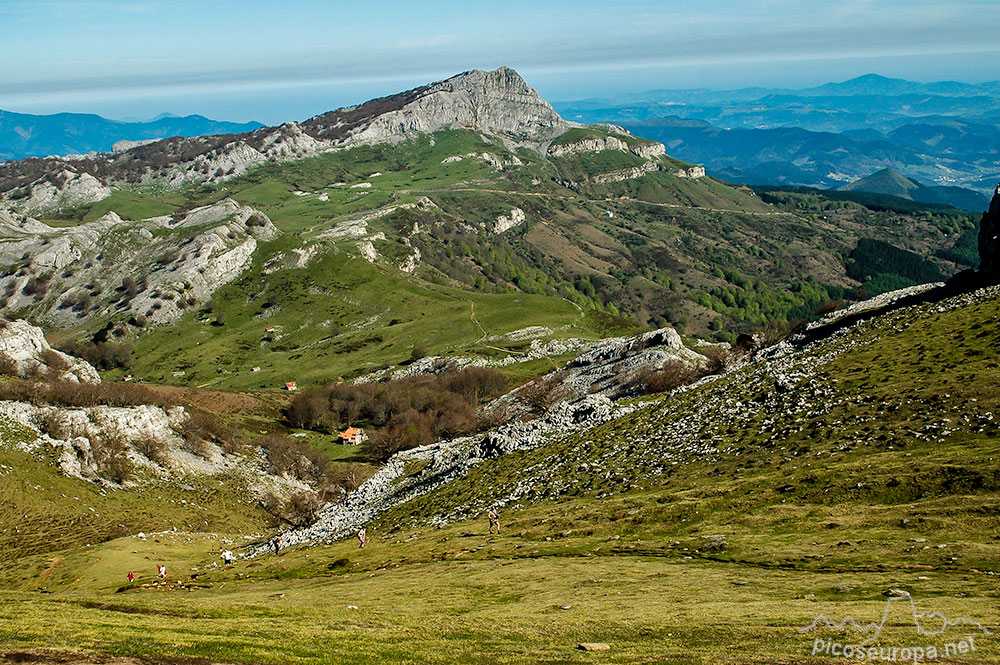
(884, 267)
(400, 414)
(106, 355)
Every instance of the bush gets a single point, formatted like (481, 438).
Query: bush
(111, 456)
(38, 285)
(289, 458)
(201, 429)
(672, 374)
(155, 449)
(8, 366)
(418, 352)
(102, 355)
(542, 392)
(300, 510)
(55, 361)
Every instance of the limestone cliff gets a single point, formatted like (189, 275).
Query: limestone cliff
(498, 103)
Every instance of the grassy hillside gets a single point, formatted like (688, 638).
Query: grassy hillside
(710, 526)
(707, 258)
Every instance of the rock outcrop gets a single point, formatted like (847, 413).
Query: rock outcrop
(497, 102)
(589, 144)
(694, 172)
(62, 189)
(25, 353)
(989, 241)
(135, 445)
(625, 174)
(506, 222)
(640, 148)
(69, 275)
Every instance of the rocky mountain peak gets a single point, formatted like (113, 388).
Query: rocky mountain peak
(495, 102)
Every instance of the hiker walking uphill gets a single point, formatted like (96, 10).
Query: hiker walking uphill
(494, 520)
(362, 535)
(277, 545)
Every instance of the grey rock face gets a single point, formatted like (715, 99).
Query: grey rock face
(50, 270)
(64, 189)
(149, 436)
(989, 241)
(497, 102)
(24, 346)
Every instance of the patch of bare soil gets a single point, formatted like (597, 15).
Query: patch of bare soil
(212, 401)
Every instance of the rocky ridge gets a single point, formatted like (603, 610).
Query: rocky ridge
(497, 103)
(783, 389)
(65, 276)
(416, 472)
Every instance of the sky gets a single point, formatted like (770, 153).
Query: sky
(278, 61)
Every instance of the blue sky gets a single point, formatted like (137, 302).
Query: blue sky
(276, 61)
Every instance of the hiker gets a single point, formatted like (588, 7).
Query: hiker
(494, 520)
(131, 577)
(277, 545)
(227, 558)
(161, 571)
(362, 534)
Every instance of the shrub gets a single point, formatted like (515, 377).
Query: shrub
(55, 361)
(400, 414)
(155, 449)
(103, 355)
(111, 456)
(672, 374)
(201, 428)
(542, 392)
(8, 366)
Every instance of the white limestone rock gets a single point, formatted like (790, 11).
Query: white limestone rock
(506, 222)
(24, 346)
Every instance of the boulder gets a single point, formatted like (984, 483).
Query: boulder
(593, 646)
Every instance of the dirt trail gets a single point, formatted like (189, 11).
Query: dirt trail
(472, 317)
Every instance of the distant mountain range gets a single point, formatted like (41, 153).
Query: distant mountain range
(869, 101)
(946, 133)
(796, 156)
(25, 135)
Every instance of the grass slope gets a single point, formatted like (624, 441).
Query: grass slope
(707, 258)
(707, 527)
